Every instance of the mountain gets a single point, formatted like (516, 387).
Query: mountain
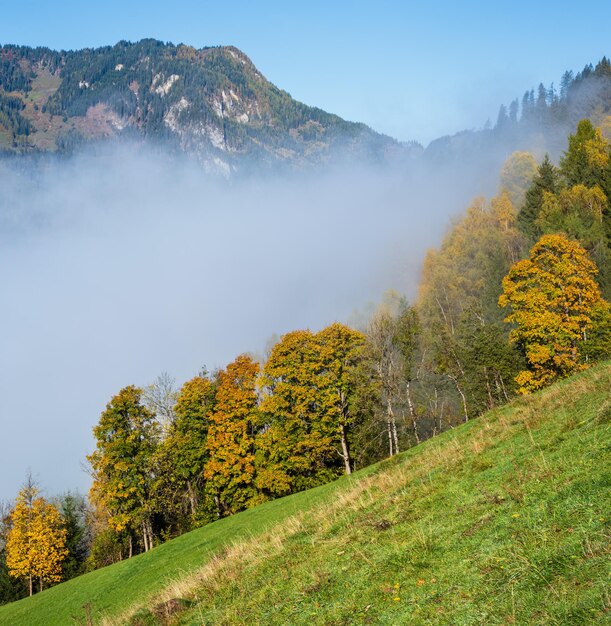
(215, 105)
(212, 103)
(503, 520)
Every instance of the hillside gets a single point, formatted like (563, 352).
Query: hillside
(539, 122)
(211, 103)
(214, 105)
(502, 520)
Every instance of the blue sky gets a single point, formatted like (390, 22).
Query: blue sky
(409, 69)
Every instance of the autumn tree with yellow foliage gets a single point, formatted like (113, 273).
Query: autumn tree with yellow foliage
(307, 409)
(552, 296)
(36, 541)
(462, 331)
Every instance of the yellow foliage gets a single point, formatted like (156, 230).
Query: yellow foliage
(36, 542)
(552, 295)
(517, 175)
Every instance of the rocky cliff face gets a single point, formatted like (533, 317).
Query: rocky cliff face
(211, 103)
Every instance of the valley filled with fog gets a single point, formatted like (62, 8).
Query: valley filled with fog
(119, 264)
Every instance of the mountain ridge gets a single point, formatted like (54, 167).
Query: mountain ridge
(212, 103)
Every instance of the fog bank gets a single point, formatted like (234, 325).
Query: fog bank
(118, 265)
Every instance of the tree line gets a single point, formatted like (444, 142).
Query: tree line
(515, 297)
(579, 95)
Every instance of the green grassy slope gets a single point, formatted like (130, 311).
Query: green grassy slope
(504, 520)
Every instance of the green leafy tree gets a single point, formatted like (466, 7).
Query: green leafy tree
(586, 161)
(340, 350)
(307, 409)
(126, 438)
(295, 451)
(183, 454)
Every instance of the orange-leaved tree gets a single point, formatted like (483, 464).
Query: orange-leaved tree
(230, 469)
(36, 541)
(552, 296)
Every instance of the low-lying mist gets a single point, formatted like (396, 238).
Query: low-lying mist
(121, 264)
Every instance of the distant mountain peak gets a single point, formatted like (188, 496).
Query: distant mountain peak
(212, 103)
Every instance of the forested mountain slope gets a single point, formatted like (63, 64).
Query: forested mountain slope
(537, 122)
(501, 520)
(212, 103)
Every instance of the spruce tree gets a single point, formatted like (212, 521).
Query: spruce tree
(587, 158)
(546, 180)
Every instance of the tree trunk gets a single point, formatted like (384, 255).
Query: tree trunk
(131, 547)
(30, 578)
(191, 496)
(40, 585)
(217, 501)
(345, 450)
(145, 537)
(412, 412)
(462, 396)
(392, 427)
(149, 528)
(394, 435)
(491, 402)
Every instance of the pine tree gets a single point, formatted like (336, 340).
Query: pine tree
(565, 84)
(502, 120)
(528, 106)
(586, 161)
(513, 111)
(73, 508)
(546, 179)
(541, 105)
